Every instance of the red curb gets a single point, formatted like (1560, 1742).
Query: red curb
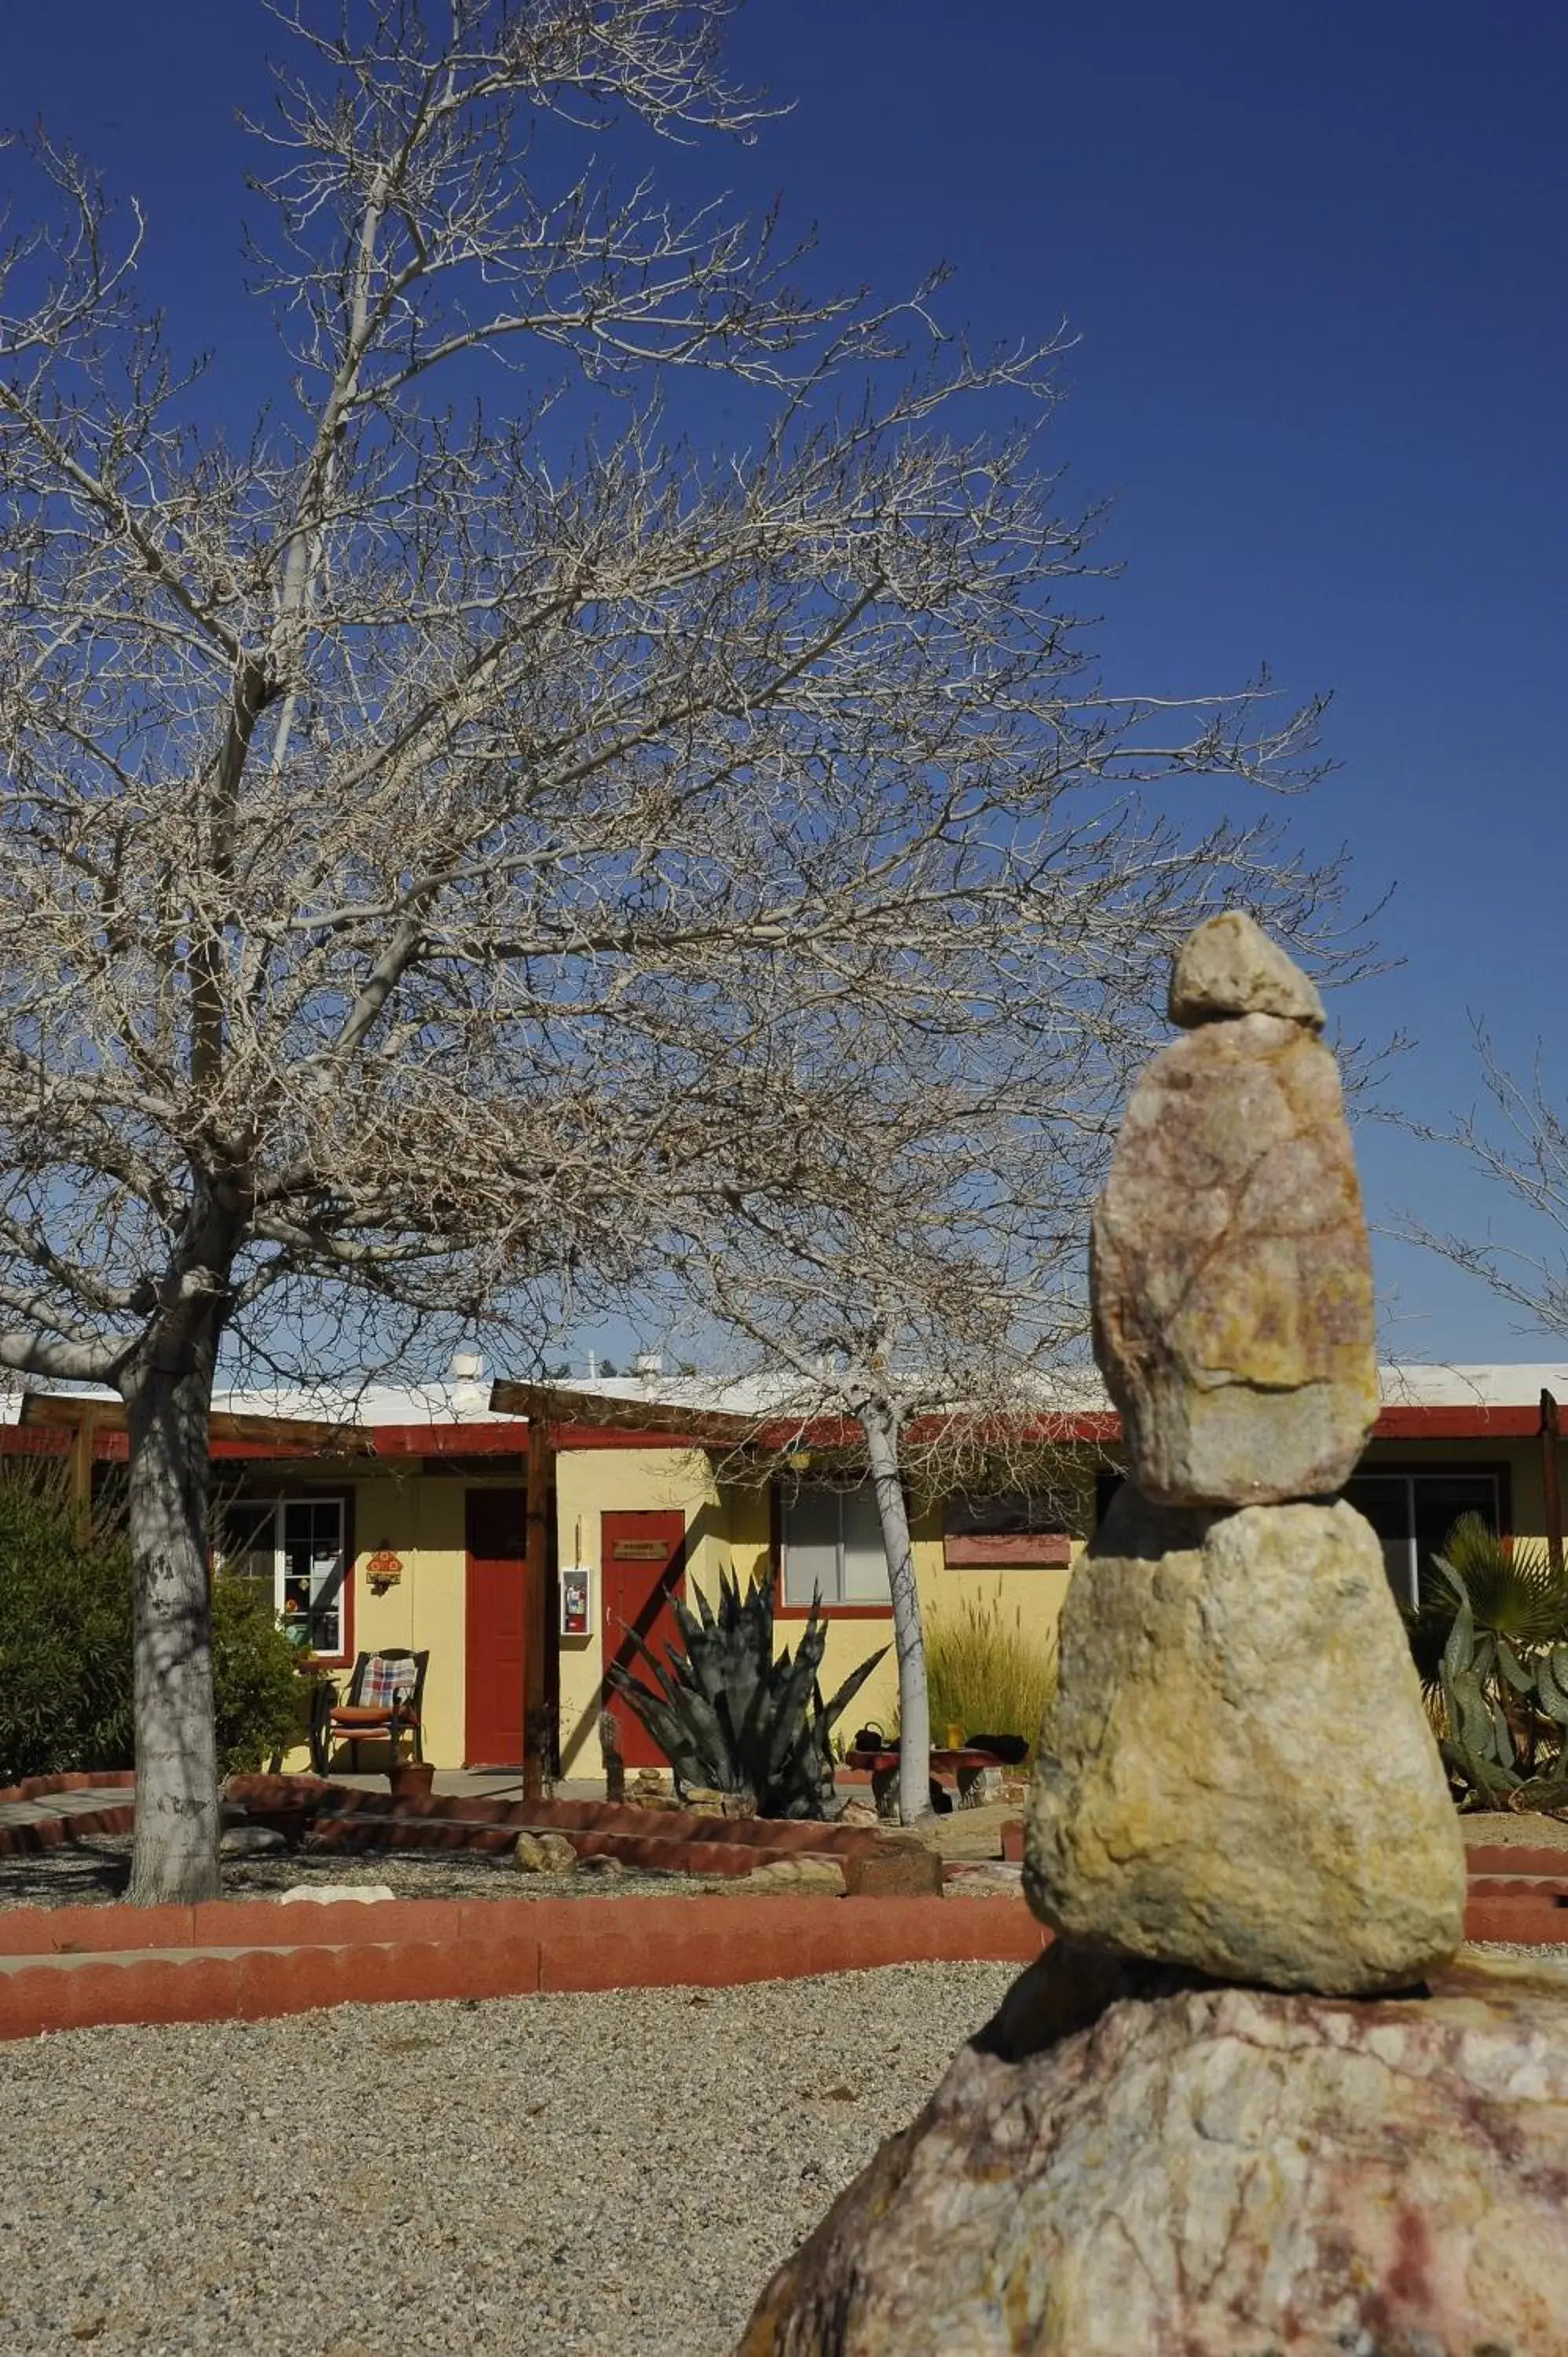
(73, 1780)
(50, 1833)
(1529, 1921)
(1505, 1858)
(317, 1923)
(502, 1948)
(1520, 1886)
(92, 1930)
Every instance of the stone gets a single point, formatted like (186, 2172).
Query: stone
(1229, 967)
(1237, 1773)
(544, 1853)
(601, 1863)
(708, 1801)
(252, 1841)
(331, 1894)
(895, 1870)
(1230, 1274)
(1214, 2173)
(858, 1813)
(796, 1874)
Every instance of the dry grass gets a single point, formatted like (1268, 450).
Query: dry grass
(985, 1674)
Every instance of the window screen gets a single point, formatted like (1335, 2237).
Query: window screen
(832, 1548)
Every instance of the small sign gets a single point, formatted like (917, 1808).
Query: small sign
(574, 1590)
(640, 1551)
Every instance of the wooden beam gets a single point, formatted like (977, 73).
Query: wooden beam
(537, 1762)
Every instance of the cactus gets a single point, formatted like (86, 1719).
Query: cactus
(730, 1717)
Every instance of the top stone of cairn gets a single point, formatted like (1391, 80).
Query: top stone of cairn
(1229, 1272)
(1229, 966)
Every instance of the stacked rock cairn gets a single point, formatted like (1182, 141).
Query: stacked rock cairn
(1237, 1777)
(1244, 2105)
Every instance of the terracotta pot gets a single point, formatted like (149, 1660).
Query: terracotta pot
(411, 1780)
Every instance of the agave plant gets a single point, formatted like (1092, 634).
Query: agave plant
(726, 1715)
(1491, 1642)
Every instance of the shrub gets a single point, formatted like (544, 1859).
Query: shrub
(66, 1677)
(65, 1632)
(256, 1685)
(985, 1674)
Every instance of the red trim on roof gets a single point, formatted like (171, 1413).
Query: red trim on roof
(1472, 1423)
(1468, 1422)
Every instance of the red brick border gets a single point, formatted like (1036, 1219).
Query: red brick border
(304, 1956)
(676, 1841)
(74, 1779)
(49, 1833)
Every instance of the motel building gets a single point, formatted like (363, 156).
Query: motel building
(516, 1534)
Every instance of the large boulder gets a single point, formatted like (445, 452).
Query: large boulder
(1232, 1277)
(1217, 2173)
(1236, 1775)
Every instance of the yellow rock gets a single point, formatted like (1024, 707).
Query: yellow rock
(1236, 1775)
(1230, 1272)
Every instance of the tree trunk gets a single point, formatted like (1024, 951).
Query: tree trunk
(880, 1427)
(169, 1398)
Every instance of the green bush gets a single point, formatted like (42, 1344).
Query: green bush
(256, 1685)
(66, 1680)
(984, 1675)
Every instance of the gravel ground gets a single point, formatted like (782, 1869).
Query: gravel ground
(82, 1874)
(609, 2176)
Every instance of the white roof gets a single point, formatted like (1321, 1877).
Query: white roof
(466, 1400)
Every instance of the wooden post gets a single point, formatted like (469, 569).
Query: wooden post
(81, 1445)
(537, 1633)
(1550, 1429)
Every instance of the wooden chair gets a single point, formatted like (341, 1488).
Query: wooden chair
(381, 1701)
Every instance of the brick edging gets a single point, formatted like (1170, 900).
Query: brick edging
(358, 1954)
(49, 1833)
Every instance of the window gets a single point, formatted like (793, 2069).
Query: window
(293, 1548)
(1414, 1513)
(832, 1548)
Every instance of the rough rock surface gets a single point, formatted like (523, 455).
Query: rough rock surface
(544, 1853)
(1229, 967)
(1219, 2173)
(803, 1875)
(1236, 1775)
(1232, 1281)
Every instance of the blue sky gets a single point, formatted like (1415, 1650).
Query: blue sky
(1316, 260)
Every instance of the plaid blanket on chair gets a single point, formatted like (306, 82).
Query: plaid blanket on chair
(388, 1678)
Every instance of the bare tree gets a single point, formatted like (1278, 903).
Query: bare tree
(401, 806)
(894, 1223)
(1517, 1139)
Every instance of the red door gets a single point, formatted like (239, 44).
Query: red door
(642, 1559)
(493, 1663)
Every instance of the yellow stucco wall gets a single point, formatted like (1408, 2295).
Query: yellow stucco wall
(421, 1517)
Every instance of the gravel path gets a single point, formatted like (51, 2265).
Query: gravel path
(607, 2176)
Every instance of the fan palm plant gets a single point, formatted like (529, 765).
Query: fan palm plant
(1491, 1640)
